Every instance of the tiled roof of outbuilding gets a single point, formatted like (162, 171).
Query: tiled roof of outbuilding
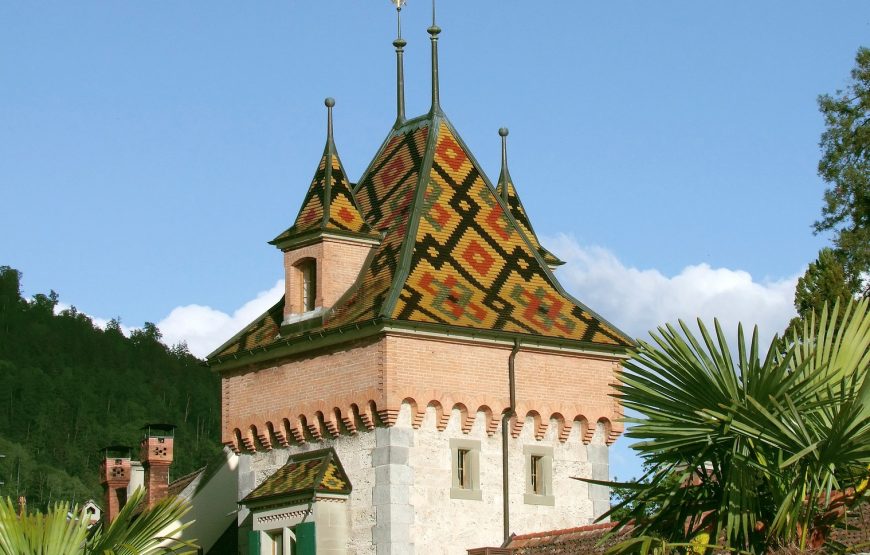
(571, 541)
(304, 474)
(853, 535)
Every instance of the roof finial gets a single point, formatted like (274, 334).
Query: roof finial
(399, 43)
(434, 30)
(504, 177)
(329, 102)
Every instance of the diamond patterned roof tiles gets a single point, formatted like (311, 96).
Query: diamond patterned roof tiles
(329, 204)
(304, 474)
(508, 193)
(452, 252)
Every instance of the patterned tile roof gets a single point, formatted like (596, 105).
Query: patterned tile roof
(259, 333)
(853, 535)
(386, 195)
(329, 204)
(572, 541)
(452, 251)
(472, 266)
(508, 193)
(304, 474)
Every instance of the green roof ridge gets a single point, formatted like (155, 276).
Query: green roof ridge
(404, 263)
(539, 256)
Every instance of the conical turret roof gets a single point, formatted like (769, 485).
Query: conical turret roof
(329, 204)
(508, 194)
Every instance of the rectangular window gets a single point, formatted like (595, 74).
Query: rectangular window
(309, 285)
(539, 475)
(537, 471)
(463, 474)
(465, 467)
(277, 542)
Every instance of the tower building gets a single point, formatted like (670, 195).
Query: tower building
(425, 385)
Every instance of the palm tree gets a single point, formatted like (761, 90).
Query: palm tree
(64, 531)
(765, 450)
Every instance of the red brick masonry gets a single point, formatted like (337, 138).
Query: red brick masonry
(359, 385)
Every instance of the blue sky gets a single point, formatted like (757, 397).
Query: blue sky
(667, 150)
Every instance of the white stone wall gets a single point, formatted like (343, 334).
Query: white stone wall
(401, 480)
(355, 454)
(451, 526)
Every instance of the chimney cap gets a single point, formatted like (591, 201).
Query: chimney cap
(159, 430)
(117, 452)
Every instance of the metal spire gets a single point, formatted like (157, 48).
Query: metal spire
(434, 31)
(329, 102)
(504, 178)
(400, 43)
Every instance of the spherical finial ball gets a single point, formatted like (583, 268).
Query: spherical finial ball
(503, 132)
(330, 102)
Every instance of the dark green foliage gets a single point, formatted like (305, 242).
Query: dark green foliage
(845, 166)
(625, 504)
(824, 282)
(68, 388)
(753, 450)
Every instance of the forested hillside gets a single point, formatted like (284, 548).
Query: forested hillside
(68, 388)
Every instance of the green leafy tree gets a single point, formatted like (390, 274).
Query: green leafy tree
(64, 530)
(68, 388)
(845, 166)
(753, 451)
(824, 282)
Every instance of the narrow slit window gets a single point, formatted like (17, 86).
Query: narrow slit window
(537, 474)
(463, 470)
(309, 285)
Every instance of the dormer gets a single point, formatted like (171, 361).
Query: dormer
(328, 244)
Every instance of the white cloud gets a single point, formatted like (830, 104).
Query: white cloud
(204, 328)
(99, 322)
(638, 301)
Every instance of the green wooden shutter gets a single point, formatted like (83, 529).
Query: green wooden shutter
(253, 542)
(305, 541)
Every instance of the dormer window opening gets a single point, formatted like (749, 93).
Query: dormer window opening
(308, 269)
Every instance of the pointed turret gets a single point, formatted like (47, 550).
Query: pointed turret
(329, 204)
(508, 193)
(400, 43)
(326, 246)
(434, 31)
(453, 251)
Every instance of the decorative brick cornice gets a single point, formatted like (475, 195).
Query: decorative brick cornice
(317, 421)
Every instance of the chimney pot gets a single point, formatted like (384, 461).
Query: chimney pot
(115, 477)
(157, 454)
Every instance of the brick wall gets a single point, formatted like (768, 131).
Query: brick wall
(262, 406)
(338, 265)
(330, 392)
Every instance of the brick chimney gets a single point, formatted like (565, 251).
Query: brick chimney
(115, 477)
(156, 457)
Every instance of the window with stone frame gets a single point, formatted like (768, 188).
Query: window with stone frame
(280, 541)
(465, 469)
(539, 475)
(307, 284)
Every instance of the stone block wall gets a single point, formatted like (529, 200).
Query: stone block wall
(401, 478)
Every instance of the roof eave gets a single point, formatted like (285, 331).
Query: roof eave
(300, 239)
